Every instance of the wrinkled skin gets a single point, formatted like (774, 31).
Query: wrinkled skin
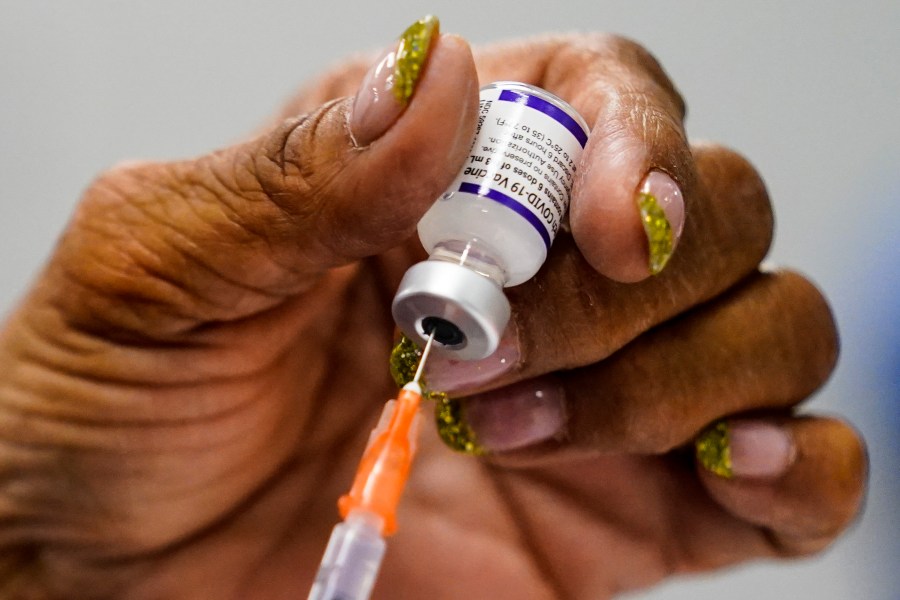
(187, 388)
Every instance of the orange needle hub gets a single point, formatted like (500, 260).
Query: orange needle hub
(384, 467)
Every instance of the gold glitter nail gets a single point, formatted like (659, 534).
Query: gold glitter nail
(713, 449)
(452, 427)
(403, 364)
(658, 230)
(448, 412)
(404, 360)
(412, 52)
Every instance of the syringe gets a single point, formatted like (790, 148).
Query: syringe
(356, 547)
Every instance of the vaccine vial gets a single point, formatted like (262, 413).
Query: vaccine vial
(494, 225)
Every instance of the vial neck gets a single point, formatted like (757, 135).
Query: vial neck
(473, 255)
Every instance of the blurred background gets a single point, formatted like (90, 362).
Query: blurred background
(808, 90)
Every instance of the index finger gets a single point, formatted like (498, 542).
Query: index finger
(627, 208)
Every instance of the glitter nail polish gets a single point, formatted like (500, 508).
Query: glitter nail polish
(713, 450)
(411, 55)
(661, 209)
(389, 85)
(452, 427)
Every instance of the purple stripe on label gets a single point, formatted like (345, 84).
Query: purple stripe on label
(549, 109)
(486, 192)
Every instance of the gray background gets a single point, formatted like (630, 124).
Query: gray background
(807, 90)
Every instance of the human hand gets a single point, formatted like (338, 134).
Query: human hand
(189, 385)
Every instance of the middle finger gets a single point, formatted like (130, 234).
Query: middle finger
(766, 345)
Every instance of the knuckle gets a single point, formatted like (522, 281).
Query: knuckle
(120, 201)
(634, 54)
(658, 124)
(626, 48)
(296, 168)
(295, 160)
(138, 244)
(601, 44)
(118, 184)
(618, 64)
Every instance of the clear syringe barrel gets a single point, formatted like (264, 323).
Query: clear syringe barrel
(351, 560)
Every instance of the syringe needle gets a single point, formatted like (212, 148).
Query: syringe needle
(422, 360)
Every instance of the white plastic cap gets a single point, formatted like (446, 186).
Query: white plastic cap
(467, 311)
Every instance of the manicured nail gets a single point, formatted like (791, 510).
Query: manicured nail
(412, 52)
(517, 416)
(458, 376)
(404, 361)
(389, 85)
(760, 449)
(713, 450)
(753, 449)
(452, 426)
(662, 214)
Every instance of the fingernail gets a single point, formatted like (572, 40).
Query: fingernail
(752, 449)
(389, 85)
(713, 450)
(452, 426)
(458, 376)
(662, 214)
(404, 361)
(760, 449)
(514, 417)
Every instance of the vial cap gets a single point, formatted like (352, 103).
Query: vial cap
(467, 311)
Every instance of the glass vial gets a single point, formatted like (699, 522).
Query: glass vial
(494, 225)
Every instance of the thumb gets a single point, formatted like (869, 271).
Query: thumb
(235, 232)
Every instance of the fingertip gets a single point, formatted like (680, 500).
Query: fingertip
(366, 198)
(802, 479)
(421, 153)
(627, 211)
(604, 219)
